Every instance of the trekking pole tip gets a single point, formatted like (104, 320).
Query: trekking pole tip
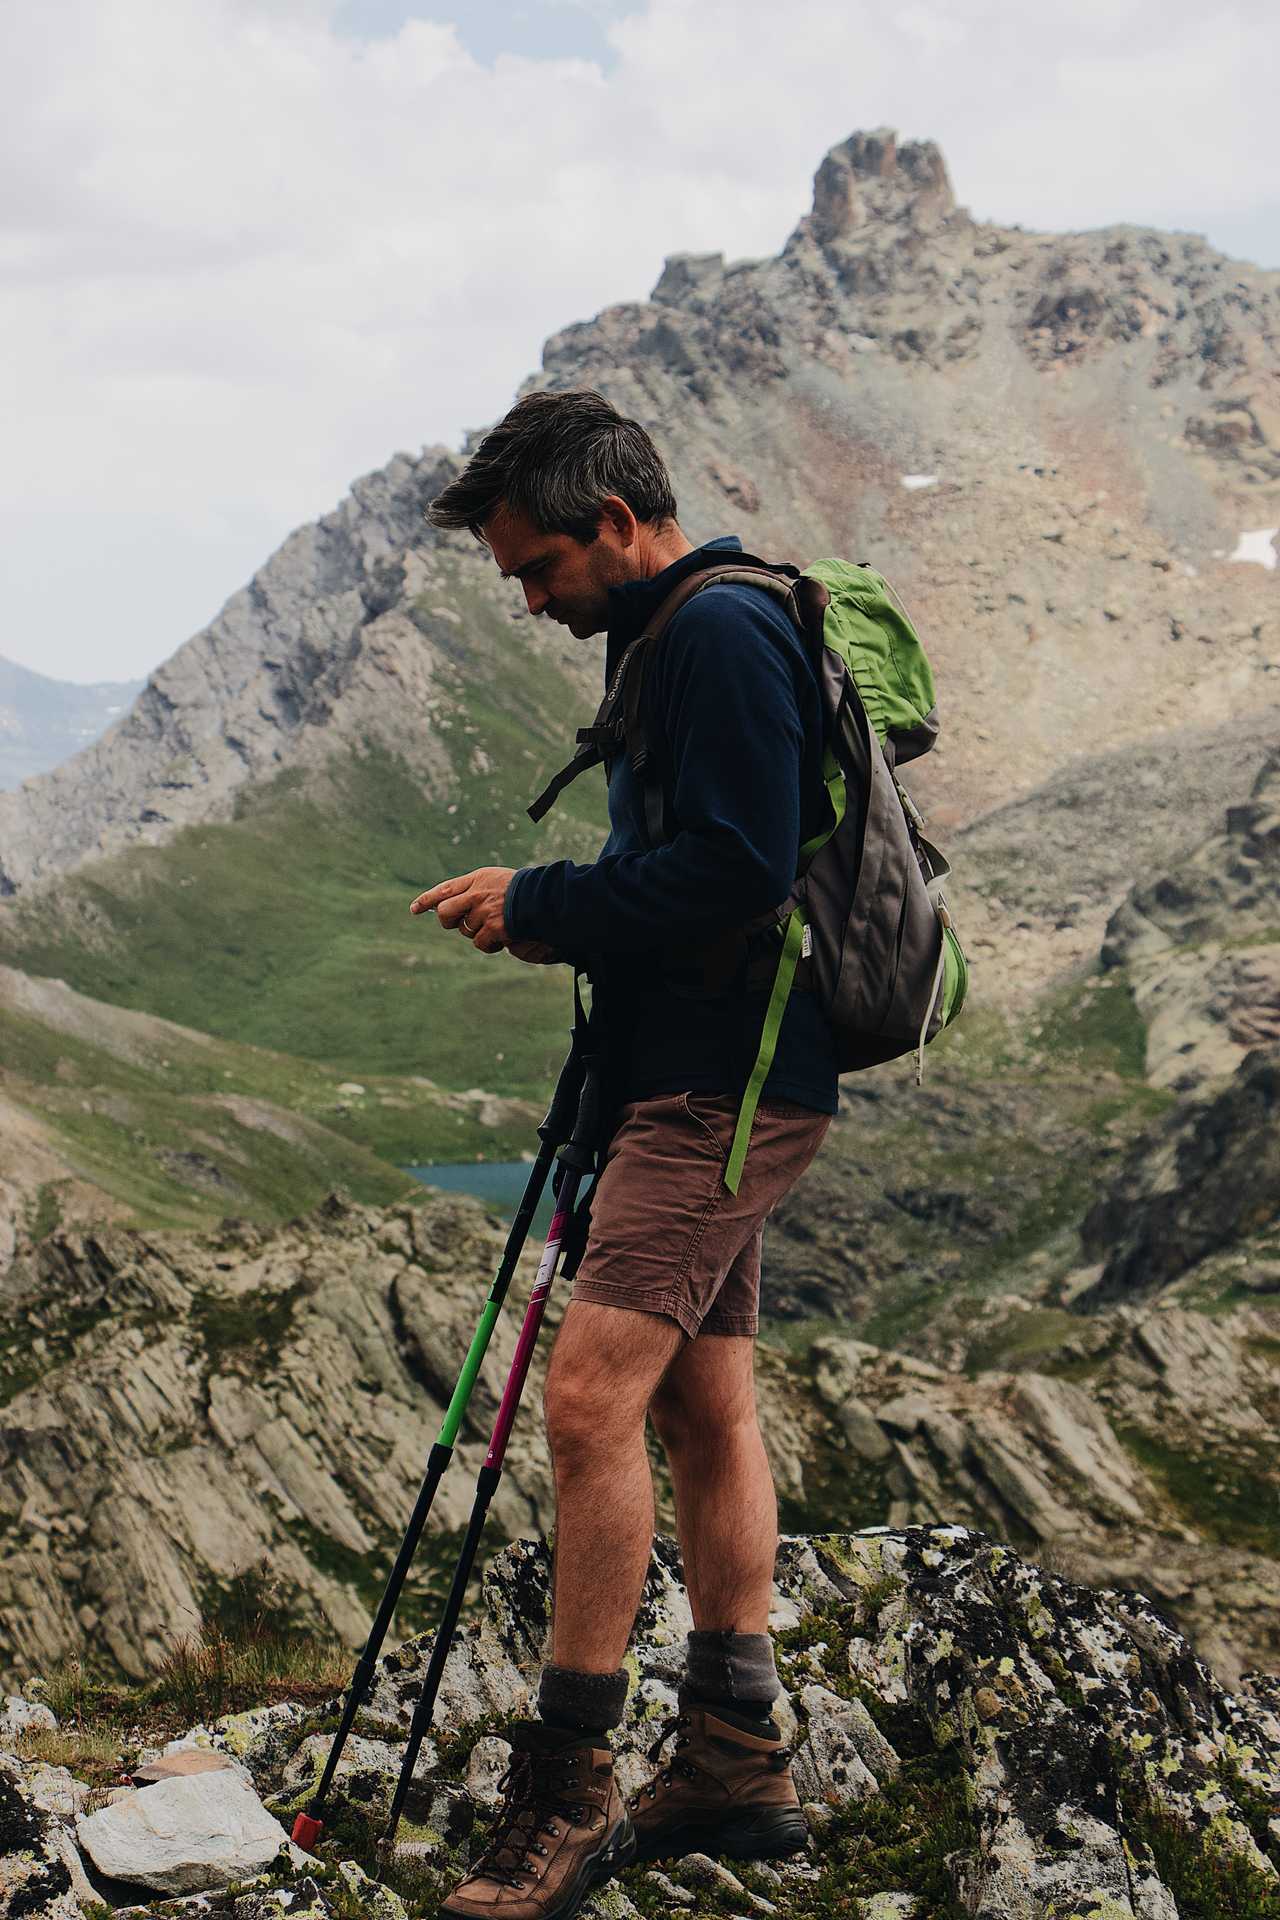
(307, 1831)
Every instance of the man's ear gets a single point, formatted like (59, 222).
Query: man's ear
(617, 517)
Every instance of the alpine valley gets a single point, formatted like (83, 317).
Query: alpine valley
(1037, 1297)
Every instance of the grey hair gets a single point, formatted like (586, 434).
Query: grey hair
(555, 457)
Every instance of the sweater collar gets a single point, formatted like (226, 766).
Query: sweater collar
(636, 601)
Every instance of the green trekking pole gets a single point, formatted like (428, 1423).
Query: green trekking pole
(555, 1130)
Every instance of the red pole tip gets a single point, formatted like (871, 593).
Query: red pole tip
(306, 1832)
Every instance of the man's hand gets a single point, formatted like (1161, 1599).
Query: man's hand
(534, 953)
(473, 904)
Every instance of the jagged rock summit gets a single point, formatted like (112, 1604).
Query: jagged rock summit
(869, 178)
(1053, 442)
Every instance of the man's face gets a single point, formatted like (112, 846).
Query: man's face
(561, 577)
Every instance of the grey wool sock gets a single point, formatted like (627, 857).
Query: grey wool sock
(587, 1702)
(736, 1670)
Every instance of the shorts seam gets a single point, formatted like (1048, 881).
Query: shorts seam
(699, 1232)
(665, 1305)
(736, 1324)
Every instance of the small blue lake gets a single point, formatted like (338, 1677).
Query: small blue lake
(499, 1183)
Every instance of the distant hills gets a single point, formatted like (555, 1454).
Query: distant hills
(43, 721)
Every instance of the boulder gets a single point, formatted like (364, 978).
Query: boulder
(184, 1835)
(20, 1715)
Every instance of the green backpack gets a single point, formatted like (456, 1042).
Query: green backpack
(866, 926)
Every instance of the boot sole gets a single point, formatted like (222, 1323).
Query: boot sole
(771, 1834)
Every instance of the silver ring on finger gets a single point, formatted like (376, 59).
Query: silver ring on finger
(468, 928)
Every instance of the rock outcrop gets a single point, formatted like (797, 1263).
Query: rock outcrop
(1201, 944)
(190, 1417)
(969, 1733)
(1206, 1183)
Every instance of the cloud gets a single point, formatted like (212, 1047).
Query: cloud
(247, 255)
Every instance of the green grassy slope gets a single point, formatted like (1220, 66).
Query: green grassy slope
(288, 927)
(177, 1147)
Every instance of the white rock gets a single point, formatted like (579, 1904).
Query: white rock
(678, 1896)
(829, 1766)
(55, 1790)
(41, 1875)
(180, 1836)
(1258, 546)
(24, 1716)
(888, 1906)
(700, 1870)
(246, 1734)
(486, 1766)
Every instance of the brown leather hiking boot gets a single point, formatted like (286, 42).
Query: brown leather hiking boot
(725, 1790)
(562, 1830)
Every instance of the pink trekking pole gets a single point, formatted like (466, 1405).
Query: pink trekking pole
(577, 1159)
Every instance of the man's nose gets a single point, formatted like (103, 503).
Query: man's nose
(536, 597)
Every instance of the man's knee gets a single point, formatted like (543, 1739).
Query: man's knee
(588, 1408)
(687, 1421)
(602, 1372)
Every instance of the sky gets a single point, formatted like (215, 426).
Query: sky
(251, 248)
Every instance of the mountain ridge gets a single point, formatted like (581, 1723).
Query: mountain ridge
(1137, 430)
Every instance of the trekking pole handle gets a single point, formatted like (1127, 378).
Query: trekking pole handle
(558, 1125)
(579, 1151)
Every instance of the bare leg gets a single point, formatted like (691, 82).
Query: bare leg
(726, 1511)
(606, 1363)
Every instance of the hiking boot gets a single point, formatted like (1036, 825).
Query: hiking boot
(726, 1789)
(562, 1830)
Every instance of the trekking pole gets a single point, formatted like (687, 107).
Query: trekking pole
(553, 1133)
(577, 1158)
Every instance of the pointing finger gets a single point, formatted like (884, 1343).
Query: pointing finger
(443, 890)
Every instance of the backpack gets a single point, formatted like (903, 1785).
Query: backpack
(866, 926)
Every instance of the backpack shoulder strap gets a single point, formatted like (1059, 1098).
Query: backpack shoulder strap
(620, 721)
(783, 583)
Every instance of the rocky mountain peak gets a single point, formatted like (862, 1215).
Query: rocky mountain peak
(868, 177)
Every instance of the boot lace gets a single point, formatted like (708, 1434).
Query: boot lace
(534, 1799)
(776, 1762)
(678, 1724)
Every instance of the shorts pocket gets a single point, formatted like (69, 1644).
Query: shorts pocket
(704, 1110)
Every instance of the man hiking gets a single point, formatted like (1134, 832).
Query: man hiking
(574, 502)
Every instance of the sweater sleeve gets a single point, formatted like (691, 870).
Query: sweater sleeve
(725, 695)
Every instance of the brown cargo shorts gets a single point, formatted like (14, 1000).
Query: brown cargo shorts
(667, 1236)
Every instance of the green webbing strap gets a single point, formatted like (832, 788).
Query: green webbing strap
(768, 1042)
(833, 780)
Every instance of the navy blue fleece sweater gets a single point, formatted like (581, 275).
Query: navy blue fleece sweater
(733, 700)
